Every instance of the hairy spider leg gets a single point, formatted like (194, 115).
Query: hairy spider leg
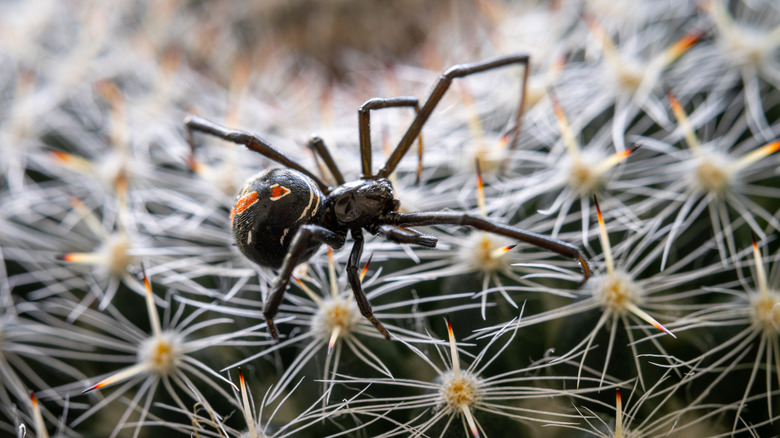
(456, 71)
(251, 141)
(484, 224)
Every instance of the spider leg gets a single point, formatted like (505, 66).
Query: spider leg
(251, 141)
(456, 71)
(353, 276)
(403, 235)
(301, 242)
(364, 125)
(317, 145)
(484, 224)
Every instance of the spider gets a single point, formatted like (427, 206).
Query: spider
(282, 215)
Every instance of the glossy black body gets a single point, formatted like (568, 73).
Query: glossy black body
(264, 229)
(359, 204)
(280, 217)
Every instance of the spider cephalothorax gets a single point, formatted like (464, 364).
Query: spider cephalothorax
(280, 217)
(360, 203)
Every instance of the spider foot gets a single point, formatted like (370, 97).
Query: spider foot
(272, 328)
(378, 326)
(585, 269)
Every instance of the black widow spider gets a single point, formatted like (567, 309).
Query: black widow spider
(281, 216)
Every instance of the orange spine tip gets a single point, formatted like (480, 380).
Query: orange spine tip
(504, 140)
(480, 188)
(121, 181)
(563, 124)
(71, 161)
(61, 156)
(418, 177)
(334, 335)
(453, 349)
(193, 164)
(77, 257)
(556, 104)
(365, 267)
(498, 252)
(761, 281)
(598, 210)
(613, 160)
(755, 155)
(33, 399)
(480, 184)
(77, 203)
(145, 279)
(618, 415)
(664, 329)
(154, 318)
(606, 249)
(248, 415)
(673, 100)
(686, 42)
(682, 119)
(93, 387)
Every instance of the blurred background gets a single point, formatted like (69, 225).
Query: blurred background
(98, 182)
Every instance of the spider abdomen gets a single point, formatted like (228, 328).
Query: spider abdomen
(268, 211)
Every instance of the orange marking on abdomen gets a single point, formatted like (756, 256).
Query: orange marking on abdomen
(278, 192)
(242, 204)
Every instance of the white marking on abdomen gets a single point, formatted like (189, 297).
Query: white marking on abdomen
(313, 199)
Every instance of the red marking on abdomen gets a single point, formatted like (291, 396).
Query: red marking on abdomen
(242, 204)
(278, 192)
